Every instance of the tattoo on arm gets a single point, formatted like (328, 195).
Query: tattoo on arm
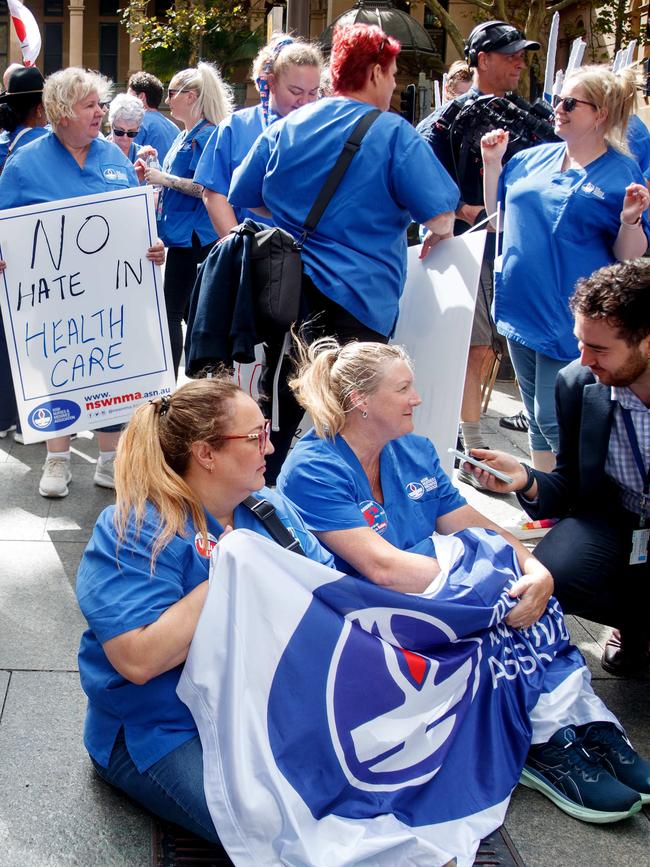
(186, 186)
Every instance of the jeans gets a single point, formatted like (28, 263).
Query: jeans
(172, 788)
(536, 374)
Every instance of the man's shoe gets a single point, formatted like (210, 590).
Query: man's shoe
(105, 475)
(568, 775)
(626, 657)
(609, 746)
(56, 477)
(517, 422)
(5, 431)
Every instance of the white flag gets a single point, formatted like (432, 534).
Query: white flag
(27, 31)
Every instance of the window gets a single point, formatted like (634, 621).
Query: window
(435, 31)
(53, 8)
(53, 53)
(109, 8)
(108, 39)
(4, 44)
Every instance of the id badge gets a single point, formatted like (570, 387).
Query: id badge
(639, 546)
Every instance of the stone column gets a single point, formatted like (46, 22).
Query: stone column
(135, 58)
(76, 44)
(298, 17)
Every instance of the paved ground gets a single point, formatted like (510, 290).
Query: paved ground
(54, 812)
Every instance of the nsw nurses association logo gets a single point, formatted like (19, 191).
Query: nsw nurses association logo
(397, 733)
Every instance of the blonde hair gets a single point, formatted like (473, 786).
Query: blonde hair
(154, 452)
(63, 90)
(330, 378)
(614, 91)
(295, 53)
(214, 97)
(457, 72)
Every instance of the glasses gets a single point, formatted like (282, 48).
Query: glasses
(171, 93)
(568, 103)
(262, 437)
(120, 132)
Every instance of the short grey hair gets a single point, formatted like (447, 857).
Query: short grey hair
(128, 109)
(63, 90)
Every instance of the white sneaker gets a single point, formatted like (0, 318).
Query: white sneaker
(105, 474)
(3, 433)
(19, 438)
(55, 478)
(524, 528)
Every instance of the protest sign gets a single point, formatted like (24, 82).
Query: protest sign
(83, 311)
(435, 325)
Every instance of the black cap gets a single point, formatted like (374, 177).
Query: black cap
(23, 81)
(499, 37)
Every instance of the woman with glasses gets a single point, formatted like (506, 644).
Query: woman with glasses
(185, 465)
(198, 101)
(569, 209)
(125, 116)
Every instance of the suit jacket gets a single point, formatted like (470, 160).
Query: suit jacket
(578, 483)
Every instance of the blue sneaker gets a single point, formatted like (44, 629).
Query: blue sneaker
(611, 749)
(565, 772)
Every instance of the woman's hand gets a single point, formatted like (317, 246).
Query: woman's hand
(147, 151)
(156, 253)
(533, 590)
(3, 265)
(493, 147)
(154, 176)
(636, 201)
(429, 241)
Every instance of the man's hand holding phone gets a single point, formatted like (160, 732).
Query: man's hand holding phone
(502, 462)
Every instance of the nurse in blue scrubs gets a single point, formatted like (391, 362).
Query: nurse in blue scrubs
(370, 489)
(125, 115)
(71, 160)
(198, 100)
(287, 74)
(355, 260)
(22, 118)
(184, 466)
(570, 209)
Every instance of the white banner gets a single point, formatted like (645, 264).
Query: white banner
(83, 311)
(435, 325)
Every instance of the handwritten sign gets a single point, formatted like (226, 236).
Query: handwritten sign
(83, 311)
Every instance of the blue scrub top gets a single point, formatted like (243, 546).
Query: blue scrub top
(44, 171)
(558, 226)
(6, 138)
(226, 150)
(158, 131)
(116, 598)
(180, 215)
(327, 485)
(638, 141)
(357, 254)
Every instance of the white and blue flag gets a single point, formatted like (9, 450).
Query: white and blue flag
(346, 724)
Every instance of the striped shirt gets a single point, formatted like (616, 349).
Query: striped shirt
(620, 464)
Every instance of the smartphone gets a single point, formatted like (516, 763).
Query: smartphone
(483, 466)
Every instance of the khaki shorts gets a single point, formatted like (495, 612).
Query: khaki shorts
(484, 331)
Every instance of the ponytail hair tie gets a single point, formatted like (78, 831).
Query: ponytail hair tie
(161, 405)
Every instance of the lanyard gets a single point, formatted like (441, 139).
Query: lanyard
(638, 460)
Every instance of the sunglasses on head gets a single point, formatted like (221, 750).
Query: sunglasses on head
(120, 132)
(262, 437)
(568, 103)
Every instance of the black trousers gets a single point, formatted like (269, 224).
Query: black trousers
(321, 317)
(180, 275)
(588, 556)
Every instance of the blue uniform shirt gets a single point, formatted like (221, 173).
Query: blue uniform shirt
(330, 490)
(179, 214)
(44, 171)
(25, 135)
(357, 254)
(638, 141)
(558, 226)
(117, 598)
(226, 149)
(158, 131)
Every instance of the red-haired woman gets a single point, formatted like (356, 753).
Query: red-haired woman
(355, 260)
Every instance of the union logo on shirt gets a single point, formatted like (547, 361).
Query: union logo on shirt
(374, 515)
(204, 546)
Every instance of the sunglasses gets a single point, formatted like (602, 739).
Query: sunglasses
(171, 93)
(120, 132)
(262, 437)
(568, 103)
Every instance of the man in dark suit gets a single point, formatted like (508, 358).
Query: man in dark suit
(598, 551)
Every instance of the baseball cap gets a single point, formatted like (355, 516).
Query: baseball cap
(499, 37)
